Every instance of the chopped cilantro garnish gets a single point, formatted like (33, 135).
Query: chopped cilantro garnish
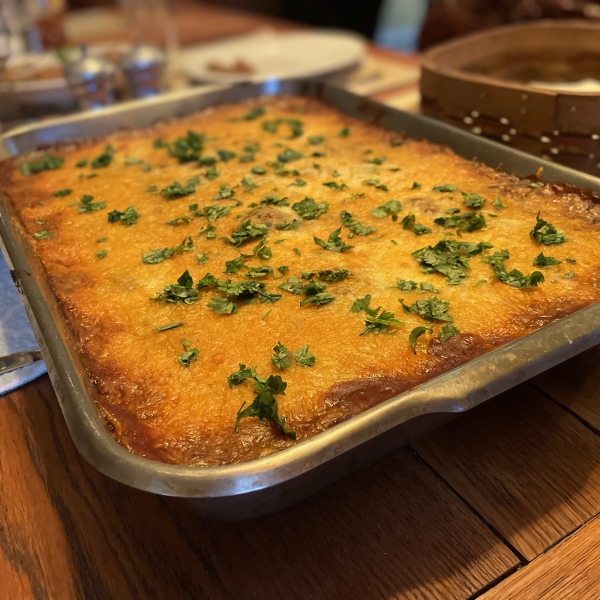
(391, 207)
(293, 285)
(258, 170)
(44, 234)
(415, 186)
(288, 155)
(271, 200)
(188, 355)
(104, 159)
(47, 162)
(298, 183)
(354, 225)
(132, 160)
(62, 193)
(185, 149)
(209, 230)
(222, 306)
(408, 221)
(281, 357)
(101, 254)
(235, 265)
(431, 309)
(86, 205)
(419, 229)
(448, 330)
(415, 334)
(334, 242)
(405, 285)
(309, 209)
(179, 221)
(513, 278)
(536, 184)
(154, 257)
(318, 299)
(211, 173)
(100, 240)
(81, 163)
(168, 326)
(304, 358)
(569, 274)
(545, 233)
(294, 124)
(545, 261)
(375, 183)
(176, 190)
(316, 139)
(248, 185)
(212, 213)
(252, 114)
(182, 291)
(334, 274)
(468, 221)
(247, 231)
(497, 204)
(444, 258)
(264, 406)
(345, 132)
(226, 155)
(397, 141)
(571, 261)
(224, 192)
(186, 246)
(375, 161)
(378, 320)
(335, 186)
(427, 287)
(283, 270)
(128, 217)
(473, 200)
(447, 187)
(201, 257)
(258, 272)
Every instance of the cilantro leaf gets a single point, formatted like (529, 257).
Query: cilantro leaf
(345, 132)
(179, 220)
(271, 200)
(169, 326)
(264, 406)
(415, 186)
(62, 193)
(47, 162)
(258, 170)
(545, 233)
(513, 278)
(431, 309)
(316, 139)
(211, 173)
(288, 155)
(188, 355)
(224, 192)
(235, 265)
(44, 234)
(247, 231)
(128, 217)
(226, 155)
(468, 221)
(473, 200)
(222, 306)
(154, 257)
(176, 190)
(304, 358)
(182, 291)
(378, 320)
(293, 285)
(257, 272)
(104, 159)
(408, 221)
(334, 242)
(86, 205)
(375, 183)
(281, 357)
(309, 209)
(419, 229)
(318, 299)
(569, 275)
(335, 186)
(448, 330)
(252, 114)
(545, 261)
(445, 257)
(295, 126)
(238, 377)
(391, 207)
(184, 149)
(248, 185)
(334, 275)
(101, 254)
(298, 183)
(405, 285)
(497, 204)
(375, 161)
(447, 187)
(212, 213)
(354, 225)
(415, 334)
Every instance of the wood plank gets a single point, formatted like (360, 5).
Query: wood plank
(567, 571)
(576, 385)
(530, 468)
(392, 530)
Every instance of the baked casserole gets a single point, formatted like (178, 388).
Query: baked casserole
(243, 278)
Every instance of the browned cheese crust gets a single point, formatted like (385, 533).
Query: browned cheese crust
(185, 415)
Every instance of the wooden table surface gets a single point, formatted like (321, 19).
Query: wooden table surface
(503, 502)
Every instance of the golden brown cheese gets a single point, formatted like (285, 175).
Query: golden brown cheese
(179, 415)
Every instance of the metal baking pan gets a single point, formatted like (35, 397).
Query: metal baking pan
(267, 484)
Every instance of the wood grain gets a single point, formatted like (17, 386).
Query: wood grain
(576, 385)
(566, 572)
(392, 530)
(530, 468)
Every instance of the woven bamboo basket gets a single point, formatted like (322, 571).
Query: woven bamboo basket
(482, 82)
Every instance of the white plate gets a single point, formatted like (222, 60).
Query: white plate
(275, 55)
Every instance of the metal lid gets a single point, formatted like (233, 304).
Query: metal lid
(92, 80)
(144, 67)
(143, 57)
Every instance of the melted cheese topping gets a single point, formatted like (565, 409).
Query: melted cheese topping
(186, 415)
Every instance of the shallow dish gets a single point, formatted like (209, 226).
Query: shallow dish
(269, 483)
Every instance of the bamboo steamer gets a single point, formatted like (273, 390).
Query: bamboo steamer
(480, 82)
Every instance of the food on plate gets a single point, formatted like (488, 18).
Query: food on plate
(246, 277)
(239, 66)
